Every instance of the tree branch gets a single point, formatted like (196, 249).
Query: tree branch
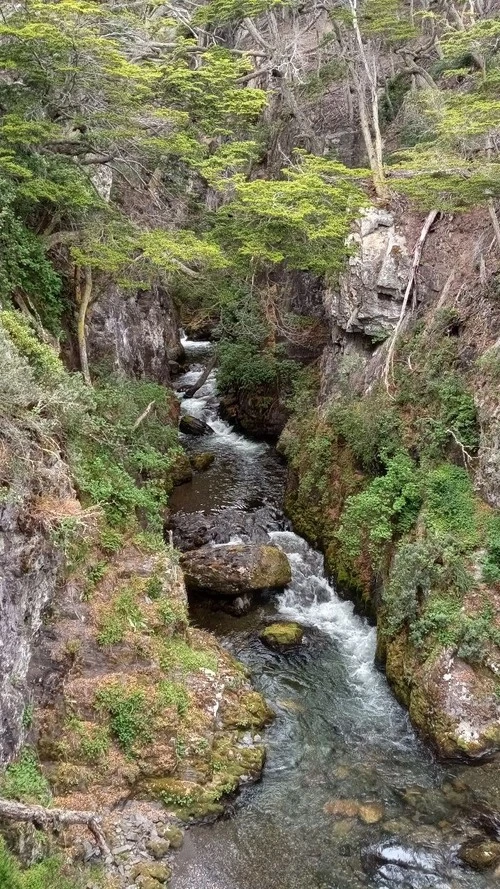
(50, 818)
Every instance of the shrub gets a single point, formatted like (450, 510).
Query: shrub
(491, 560)
(23, 780)
(172, 694)
(370, 427)
(128, 712)
(48, 874)
(177, 653)
(387, 507)
(246, 365)
(411, 579)
(450, 505)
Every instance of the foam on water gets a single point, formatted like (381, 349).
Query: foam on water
(312, 601)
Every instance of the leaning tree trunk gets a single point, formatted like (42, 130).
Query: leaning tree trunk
(45, 818)
(83, 299)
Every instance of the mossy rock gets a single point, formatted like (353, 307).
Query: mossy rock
(480, 854)
(181, 471)
(251, 712)
(282, 636)
(235, 568)
(201, 462)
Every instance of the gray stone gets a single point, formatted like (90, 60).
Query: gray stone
(232, 569)
(369, 295)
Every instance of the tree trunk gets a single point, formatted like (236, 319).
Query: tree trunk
(417, 253)
(83, 299)
(202, 378)
(51, 818)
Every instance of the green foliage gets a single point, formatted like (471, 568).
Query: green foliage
(173, 694)
(23, 780)
(370, 427)
(450, 507)
(52, 873)
(301, 220)
(234, 11)
(24, 266)
(42, 358)
(125, 614)
(491, 560)
(129, 714)
(179, 654)
(126, 471)
(243, 365)
(387, 507)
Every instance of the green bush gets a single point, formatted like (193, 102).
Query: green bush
(128, 712)
(23, 780)
(410, 582)
(491, 560)
(450, 505)
(246, 365)
(48, 874)
(388, 507)
(370, 427)
(173, 694)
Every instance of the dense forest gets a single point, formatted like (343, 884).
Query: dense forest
(314, 187)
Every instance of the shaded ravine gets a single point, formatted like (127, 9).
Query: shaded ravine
(339, 733)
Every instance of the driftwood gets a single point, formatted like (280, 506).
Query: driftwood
(202, 379)
(417, 253)
(47, 819)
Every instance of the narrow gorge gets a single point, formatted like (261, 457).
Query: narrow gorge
(249, 444)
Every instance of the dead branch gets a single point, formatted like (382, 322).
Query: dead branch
(83, 300)
(417, 253)
(50, 819)
(144, 415)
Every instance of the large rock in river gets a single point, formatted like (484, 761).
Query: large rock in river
(193, 426)
(235, 568)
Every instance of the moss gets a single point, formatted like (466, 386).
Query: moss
(282, 635)
(250, 712)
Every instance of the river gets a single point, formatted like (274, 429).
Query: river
(339, 734)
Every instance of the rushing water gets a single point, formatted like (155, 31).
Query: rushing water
(339, 733)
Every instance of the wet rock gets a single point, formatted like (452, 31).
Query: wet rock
(371, 813)
(232, 569)
(193, 426)
(201, 462)
(181, 471)
(194, 529)
(239, 606)
(455, 706)
(405, 865)
(282, 636)
(256, 411)
(486, 818)
(480, 854)
(342, 808)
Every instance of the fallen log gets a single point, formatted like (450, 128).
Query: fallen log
(51, 819)
(202, 379)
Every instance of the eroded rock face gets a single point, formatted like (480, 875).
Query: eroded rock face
(452, 703)
(135, 334)
(369, 296)
(29, 567)
(233, 569)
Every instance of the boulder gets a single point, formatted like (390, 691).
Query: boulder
(181, 471)
(202, 461)
(282, 636)
(193, 426)
(452, 703)
(235, 568)
(479, 853)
